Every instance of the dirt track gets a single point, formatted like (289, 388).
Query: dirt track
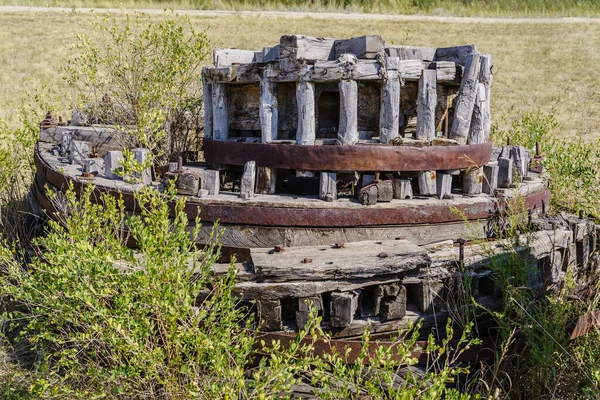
(314, 15)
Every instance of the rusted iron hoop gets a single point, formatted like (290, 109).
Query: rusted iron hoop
(348, 158)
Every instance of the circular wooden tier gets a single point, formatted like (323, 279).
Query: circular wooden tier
(274, 219)
(348, 158)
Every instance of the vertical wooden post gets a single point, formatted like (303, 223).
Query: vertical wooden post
(443, 185)
(472, 181)
(220, 112)
(426, 103)
(268, 109)
(505, 172)
(348, 129)
(402, 189)
(266, 179)
(208, 109)
(389, 114)
(305, 97)
(427, 183)
(486, 78)
(211, 181)
(465, 100)
(248, 181)
(328, 186)
(490, 182)
(477, 129)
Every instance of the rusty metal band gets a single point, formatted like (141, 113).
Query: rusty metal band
(478, 352)
(273, 216)
(348, 158)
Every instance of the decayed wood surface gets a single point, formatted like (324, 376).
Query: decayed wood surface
(458, 54)
(360, 260)
(298, 47)
(208, 111)
(426, 103)
(389, 113)
(220, 112)
(226, 57)
(305, 97)
(486, 79)
(465, 103)
(268, 110)
(362, 47)
(411, 52)
(478, 120)
(348, 127)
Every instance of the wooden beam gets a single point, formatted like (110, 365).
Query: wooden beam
(305, 97)
(426, 103)
(226, 57)
(389, 115)
(268, 110)
(411, 52)
(362, 47)
(248, 181)
(220, 112)
(477, 129)
(486, 78)
(208, 109)
(458, 54)
(328, 186)
(348, 129)
(300, 47)
(465, 102)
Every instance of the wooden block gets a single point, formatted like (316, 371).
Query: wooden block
(520, 162)
(362, 47)
(270, 53)
(443, 185)
(426, 293)
(269, 314)
(472, 181)
(248, 180)
(328, 186)
(477, 129)
(389, 115)
(226, 57)
(368, 195)
(65, 143)
(220, 121)
(393, 306)
(458, 54)
(411, 52)
(187, 184)
(305, 98)
(348, 129)
(304, 309)
(465, 101)
(490, 182)
(446, 71)
(505, 172)
(207, 97)
(385, 191)
(211, 182)
(300, 47)
(268, 112)
(403, 189)
(410, 69)
(427, 181)
(112, 163)
(141, 156)
(343, 308)
(426, 103)
(266, 180)
(78, 151)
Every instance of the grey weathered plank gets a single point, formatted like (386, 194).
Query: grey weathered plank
(208, 111)
(458, 54)
(426, 103)
(411, 52)
(226, 57)
(490, 182)
(297, 47)
(357, 260)
(389, 114)
(362, 47)
(348, 126)
(220, 112)
(486, 79)
(268, 110)
(328, 186)
(465, 101)
(248, 181)
(477, 129)
(305, 97)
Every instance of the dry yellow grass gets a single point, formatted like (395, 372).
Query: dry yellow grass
(536, 66)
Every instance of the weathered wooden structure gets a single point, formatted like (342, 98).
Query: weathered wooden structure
(343, 172)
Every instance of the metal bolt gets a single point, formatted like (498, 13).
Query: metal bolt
(537, 149)
(508, 140)
(383, 254)
(338, 245)
(279, 248)
(307, 261)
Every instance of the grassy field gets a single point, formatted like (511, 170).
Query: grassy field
(536, 65)
(512, 8)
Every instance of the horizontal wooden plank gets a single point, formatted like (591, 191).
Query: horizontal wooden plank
(364, 259)
(457, 54)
